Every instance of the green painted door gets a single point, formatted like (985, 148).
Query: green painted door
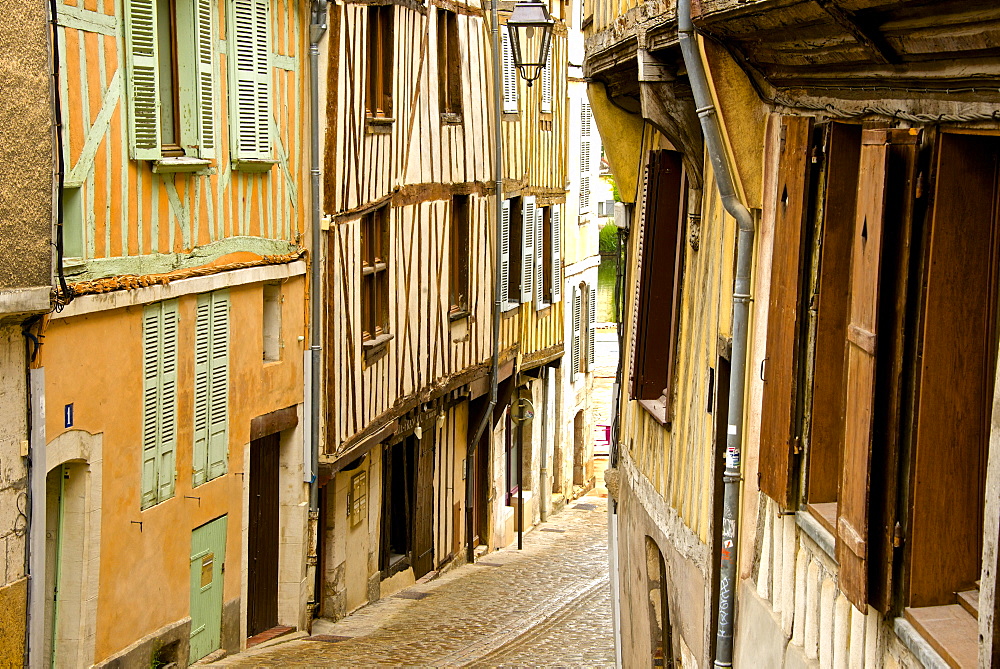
(208, 555)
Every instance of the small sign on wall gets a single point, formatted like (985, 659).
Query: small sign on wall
(68, 415)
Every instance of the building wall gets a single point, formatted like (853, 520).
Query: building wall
(94, 361)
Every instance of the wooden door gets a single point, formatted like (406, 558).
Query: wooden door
(423, 519)
(262, 542)
(208, 555)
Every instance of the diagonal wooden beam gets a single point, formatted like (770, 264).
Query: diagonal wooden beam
(868, 37)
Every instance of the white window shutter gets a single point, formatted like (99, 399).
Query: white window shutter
(202, 372)
(205, 83)
(249, 45)
(586, 115)
(585, 194)
(505, 252)
(556, 255)
(166, 467)
(547, 85)
(218, 436)
(574, 357)
(151, 329)
(528, 252)
(591, 326)
(142, 91)
(509, 73)
(539, 258)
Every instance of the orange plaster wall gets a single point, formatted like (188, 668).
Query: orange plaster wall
(95, 362)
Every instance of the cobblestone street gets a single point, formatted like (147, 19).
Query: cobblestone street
(548, 605)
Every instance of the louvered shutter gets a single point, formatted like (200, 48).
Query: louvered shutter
(509, 73)
(585, 161)
(556, 255)
(528, 252)
(167, 409)
(202, 372)
(143, 81)
(591, 326)
(574, 354)
(547, 85)
(540, 257)
(505, 253)
(218, 437)
(785, 312)
(205, 84)
(151, 327)
(249, 44)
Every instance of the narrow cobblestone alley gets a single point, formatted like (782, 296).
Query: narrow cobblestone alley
(547, 605)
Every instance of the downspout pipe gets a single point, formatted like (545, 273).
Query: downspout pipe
(497, 274)
(708, 116)
(317, 29)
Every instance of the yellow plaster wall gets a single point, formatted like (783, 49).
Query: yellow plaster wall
(622, 135)
(13, 599)
(95, 362)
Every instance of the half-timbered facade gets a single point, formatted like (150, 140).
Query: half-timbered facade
(410, 200)
(174, 367)
(864, 149)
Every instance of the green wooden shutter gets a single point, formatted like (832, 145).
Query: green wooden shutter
(202, 370)
(167, 409)
(574, 355)
(556, 255)
(591, 326)
(205, 84)
(218, 428)
(151, 327)
(509, 73)
(505, 252)
(142, 89)
(249, 46)
(528, 251)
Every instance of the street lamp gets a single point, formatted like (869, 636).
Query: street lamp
(530, 30)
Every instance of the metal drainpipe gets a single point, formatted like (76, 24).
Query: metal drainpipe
(497, 276)
(725, 620)
(316, 31)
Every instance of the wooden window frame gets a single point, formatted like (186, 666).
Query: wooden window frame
(660, 275)
(374, 267)
(516, 245)
(449, 66)
(545, 254)
(379, 73)
(459, 259)
(168, 148)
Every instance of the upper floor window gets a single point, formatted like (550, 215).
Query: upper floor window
(375, 275)
(459, 261)
(169, 53)
(548, 274)
(449, 63)
(379, 82)
(250, 80)
(509, 73)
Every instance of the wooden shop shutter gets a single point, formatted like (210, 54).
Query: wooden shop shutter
(205, 78)
(556, 255)
(863, 332)
(591, 325)
(509, 72)
(777, 438)
(249, 46)
(143, 80)
(528, 253)
(423, 520)
(505, 253)
(575, 344)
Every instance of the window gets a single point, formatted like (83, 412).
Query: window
(159, 401)
(407, 538)
(449, 63)
(459, 261)
(660, 262)
(375, 276)
(211, 387)
(509, 75)
(549, 271)
(379, 83)
(170, 59)
(271, 326)
(511, 252)
(582, 345)
(250, 83)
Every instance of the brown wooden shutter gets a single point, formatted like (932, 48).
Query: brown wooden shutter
(874, 362)
(777, 432)
(423, 519)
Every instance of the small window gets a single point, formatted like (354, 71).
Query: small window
(450, 63)
(516, 246)
(459, 260)
(545, 256)
(272, 322)
(166, 53)
(375, 274)
(380, 27)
